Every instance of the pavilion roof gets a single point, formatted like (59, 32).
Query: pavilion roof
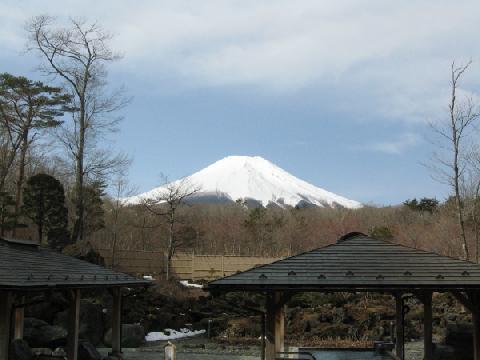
(25, 265)
(358, 262)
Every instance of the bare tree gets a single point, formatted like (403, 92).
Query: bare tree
(121, 190)
(472, 191)
(166, 204)
(463, 113)
(78, 55)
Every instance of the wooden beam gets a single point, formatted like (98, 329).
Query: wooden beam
(471, 300)
(399, 326)
(275, 327)
(6, 301)
(264, 330)
(476, 334)
(474, 299)
(427, 326)
(117, 322)
(73, 325)
(280, 327)
(19, 319)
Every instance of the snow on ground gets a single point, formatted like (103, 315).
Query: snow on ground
(170, 334)
(190, 285)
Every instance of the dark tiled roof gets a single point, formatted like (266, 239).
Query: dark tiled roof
(358, 262)
(24, 264)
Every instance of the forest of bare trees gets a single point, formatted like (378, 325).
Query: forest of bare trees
(236, 230)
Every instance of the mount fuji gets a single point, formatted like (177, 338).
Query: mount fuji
(254, 180)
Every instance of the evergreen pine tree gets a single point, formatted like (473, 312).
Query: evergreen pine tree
(7, 212)
(44, 204)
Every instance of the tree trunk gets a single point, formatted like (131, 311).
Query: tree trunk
(6, 167)
(170, 244)
(40, 232)
(456, 136)
(77, 233)
(20, 179)
(475, 222)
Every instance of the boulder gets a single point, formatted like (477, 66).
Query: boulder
(39, 335)
(133, 335)
(459, 338)
(59, 352)
(86, 351)
(46, 310)
(459, 334)
(91, 321)
(19, 350)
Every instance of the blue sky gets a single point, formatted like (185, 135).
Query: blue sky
(338, 93)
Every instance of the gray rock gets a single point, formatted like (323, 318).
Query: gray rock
(59, 352)
(42, 351)
(47, 336)
(19, 350)
(30, 322)
(91, 322)
(459, 334)
(46, 310)
(86, 351)
(133, 335)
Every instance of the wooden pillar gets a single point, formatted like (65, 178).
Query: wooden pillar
(117, 322)
(476, 334)
(275, 328)
(471, 300)
(73, 325)
(399, 325)
(19, 319)
(280, 327)
(474, 303)
(427, 326)
(6, 301)
(264, 330)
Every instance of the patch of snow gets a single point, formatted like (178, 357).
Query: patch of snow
(190, 285)
(170, 334)
(252, 177)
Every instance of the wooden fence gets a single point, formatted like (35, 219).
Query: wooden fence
(185, 266)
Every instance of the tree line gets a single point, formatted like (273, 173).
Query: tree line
(53, 168)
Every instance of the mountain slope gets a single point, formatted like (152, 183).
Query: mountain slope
(254, 178)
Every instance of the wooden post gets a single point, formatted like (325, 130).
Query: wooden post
(6, 301)
(73, 326)
(399, 324)
(475, 309)
(275, 329)
(471, 300)
(280, 325)
(223, 265)
(427, 326)
(117, 322)
(19, 319)
(193, 267)
(262, 351)
(476, 334)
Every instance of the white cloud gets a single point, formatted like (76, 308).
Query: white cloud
(394, 54)
(396, 146)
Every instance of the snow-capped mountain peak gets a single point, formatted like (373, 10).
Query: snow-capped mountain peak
(254, 178)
